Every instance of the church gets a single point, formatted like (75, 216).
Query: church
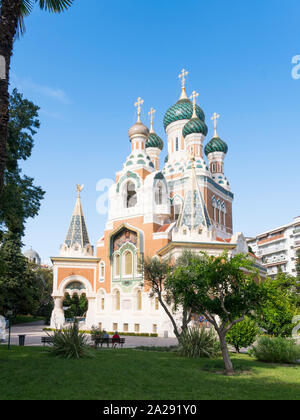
(155, 210)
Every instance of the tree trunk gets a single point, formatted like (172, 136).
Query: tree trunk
(10, 11)
(225, 354)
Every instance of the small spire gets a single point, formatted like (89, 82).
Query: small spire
(182, 76)
(138, 105)
(151, 114)
(77, 232)
(215, 118)
(194, 97)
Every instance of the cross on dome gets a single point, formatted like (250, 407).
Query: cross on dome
(182, 76)
(138, 105)
(215, 118)
(151, 115)
(194, 97)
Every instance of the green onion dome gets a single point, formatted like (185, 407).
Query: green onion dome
(216, 145)
(182, 110)
(194, 126)
(154, 141)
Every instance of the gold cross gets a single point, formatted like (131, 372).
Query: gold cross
(182, 77)
(139, 104)
(215, 118)
(151, 114)
(194, 97)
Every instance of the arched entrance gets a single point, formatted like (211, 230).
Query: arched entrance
(75, 298)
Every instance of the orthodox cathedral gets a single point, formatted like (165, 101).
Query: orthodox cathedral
(153, 212)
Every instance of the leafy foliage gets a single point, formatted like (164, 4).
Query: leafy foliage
(276, 350)
(96, 334)
(224, 287)
(21, 199)
(70, 343)
(77, 306)
(242, 334)
(275, 314)
(19, 290)
(199, 342)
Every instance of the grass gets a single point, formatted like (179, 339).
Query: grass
(126, 374)
(26, 319)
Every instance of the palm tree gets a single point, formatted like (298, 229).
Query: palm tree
(11, 25)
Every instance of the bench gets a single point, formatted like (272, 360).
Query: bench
(109, 341)
(46, 340)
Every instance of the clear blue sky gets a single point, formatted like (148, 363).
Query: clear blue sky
(86, 68)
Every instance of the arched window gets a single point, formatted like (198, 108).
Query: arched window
(159, 194)
(156, 304)
(102, 271)
(117, 265)
(131, 195)
(117, 300)
(139, 300)
(128, 263)
(177, 144)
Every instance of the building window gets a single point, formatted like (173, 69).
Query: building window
(159, 195)
(117, 298)
(156, 304)
(128, 259)
(136, 328)
(102, 271)
(125, 327)
(139, 300)
(131, 195)
(177, 144)
(115, 326)
(102, 304)
(154, 329)
(100, 325)
(117, 265)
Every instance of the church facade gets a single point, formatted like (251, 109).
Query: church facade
(153, 212)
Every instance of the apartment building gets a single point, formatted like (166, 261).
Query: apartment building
(278, 247)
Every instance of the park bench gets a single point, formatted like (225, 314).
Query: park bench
(109, 341)
(46, 340)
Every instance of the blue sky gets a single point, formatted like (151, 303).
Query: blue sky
(85, 69)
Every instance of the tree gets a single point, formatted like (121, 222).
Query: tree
(18, 289)
(77, 306)
(155, 274)
(21, 199)
(243, 334)
(12, 17)
(275, 315)
(224, 289)
(43, 278)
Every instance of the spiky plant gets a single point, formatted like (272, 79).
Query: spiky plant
(199, 342)
(70, 343)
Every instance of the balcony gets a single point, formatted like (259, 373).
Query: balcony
(272, 250)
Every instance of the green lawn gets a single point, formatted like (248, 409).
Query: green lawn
(30, 373)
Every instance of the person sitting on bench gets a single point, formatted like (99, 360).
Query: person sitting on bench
(115, 339)
(106, 337)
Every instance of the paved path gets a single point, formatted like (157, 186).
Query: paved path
(34, 332)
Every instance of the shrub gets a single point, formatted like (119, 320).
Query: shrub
(199, 342)
(70, 343)
(242, 334)
(96, 334)
(276, 350)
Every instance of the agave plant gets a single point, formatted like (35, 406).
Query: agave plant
(199, 342)
(70, 343)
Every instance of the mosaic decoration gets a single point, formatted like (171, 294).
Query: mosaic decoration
(123, 237)
(77, 233)
(129, 175)
(76, 285)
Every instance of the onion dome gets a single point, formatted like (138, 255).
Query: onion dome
(216, 145)
(154, 141)
(32, 256)
(194, 126)
(138, 129)
(182, 110)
